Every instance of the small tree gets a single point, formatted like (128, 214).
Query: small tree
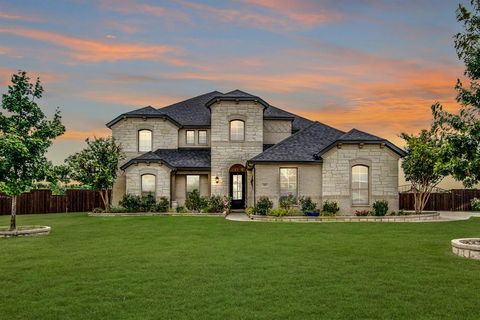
(25, 136)
(461, 132)
(422, 165)
(97, 165)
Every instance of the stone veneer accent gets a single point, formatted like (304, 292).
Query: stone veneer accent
(309, 181)
(133, 178)
(226, 153)
(275, 131)
(125, 132)
(181, 186)
(383, 171)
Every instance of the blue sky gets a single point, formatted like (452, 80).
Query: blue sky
(373, 65)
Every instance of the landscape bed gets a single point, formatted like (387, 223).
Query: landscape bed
(340, 218)
(204, 268)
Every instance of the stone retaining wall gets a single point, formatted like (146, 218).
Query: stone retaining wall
(463, 249)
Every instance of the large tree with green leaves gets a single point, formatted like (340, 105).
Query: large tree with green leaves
(25, 136)
(97, 165)
(422, 165)
(461, 131)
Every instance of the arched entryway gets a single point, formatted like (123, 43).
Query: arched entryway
(237, 186)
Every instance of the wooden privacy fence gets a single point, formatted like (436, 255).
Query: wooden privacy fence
(42, 201)
(454, 200)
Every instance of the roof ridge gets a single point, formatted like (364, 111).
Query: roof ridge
(277, 145)
(189, 99)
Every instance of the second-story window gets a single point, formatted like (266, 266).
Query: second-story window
(144, 140)
(190, 137)
(202, 137)
(237, 130)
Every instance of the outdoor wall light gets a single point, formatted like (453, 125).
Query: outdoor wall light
(217, 180)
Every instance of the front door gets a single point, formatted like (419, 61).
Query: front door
(237, 189)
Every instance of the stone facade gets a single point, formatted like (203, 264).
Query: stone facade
(329, 180)
(125, 132)
(309, 176)
(226, 153)
(181, 186)
(182, 139)
(275, 131)
(162, 178)
(383, 175)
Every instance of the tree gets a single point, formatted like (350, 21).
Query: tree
(97, 165)
(461, 132)
(25, 136)
(422, 165)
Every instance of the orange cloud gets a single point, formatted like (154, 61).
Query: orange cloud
(133, 7)
(133, 100)
(45, 77)
(286, 82)
(82, 135)
(301, 12)
(21, 17)
(89, 50)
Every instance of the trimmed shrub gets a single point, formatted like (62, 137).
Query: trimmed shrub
(263, 205)
(330, 208)
(147, 203)
(277, 212)
(475, 204)
(362, 213)
(214, 205)
(117, 209)
(163, 205)
(195, 202)
(286, 202)
(249, 211)
(380, 208)
(98, 210)
(131, 202)
(182, 210)
(307, 204)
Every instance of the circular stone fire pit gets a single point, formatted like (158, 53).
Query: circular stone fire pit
(467, 248)
(25, 231)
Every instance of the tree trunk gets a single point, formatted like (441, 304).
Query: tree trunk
(13, 218)
(101, 196)
(107, 201)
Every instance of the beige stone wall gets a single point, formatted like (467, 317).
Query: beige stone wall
(383, 171)
(181, 187)
(267, 181)
(164, 133)
(275, 131)
(125, 132)
(182, 141)
(226, 153)
(133, 178)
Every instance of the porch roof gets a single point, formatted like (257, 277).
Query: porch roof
(182, 158)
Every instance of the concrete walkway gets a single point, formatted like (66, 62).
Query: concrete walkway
(238, 216)
(444, 216)
(457, 215)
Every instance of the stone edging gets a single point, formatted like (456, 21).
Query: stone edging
(409, 218)
(35, 231)
(470, 251)
(150, 214)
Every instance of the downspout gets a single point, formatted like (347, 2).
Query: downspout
(254, 187)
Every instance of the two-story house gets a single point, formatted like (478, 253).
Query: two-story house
(237, 144)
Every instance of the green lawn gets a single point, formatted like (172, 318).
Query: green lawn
(210, 268)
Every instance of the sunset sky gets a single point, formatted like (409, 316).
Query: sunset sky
(373, 65)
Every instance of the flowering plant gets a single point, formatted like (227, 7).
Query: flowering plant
(227, 202)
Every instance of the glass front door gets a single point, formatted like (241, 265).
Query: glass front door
(237, 189)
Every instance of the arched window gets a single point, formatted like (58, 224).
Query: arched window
(360, 186)
(148, 184)
(144, 140)
(237, 130)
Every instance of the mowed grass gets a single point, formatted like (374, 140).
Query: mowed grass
(210, 268)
